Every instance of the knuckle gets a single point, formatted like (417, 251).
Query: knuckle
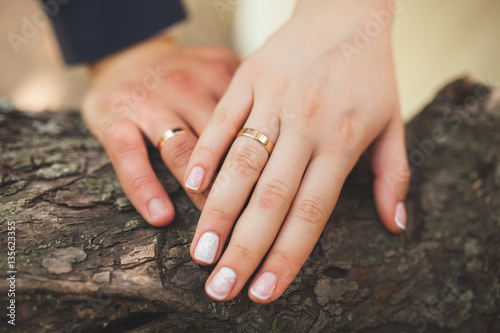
(220, 69)
(221, 183)
(350, 132)
(251, 66)
(181, 81)
(120, 138)
(204, 150)
(398, 178)
(224, 52)
(311, 109)
(246, 160)
(223, 117)
(288, 260)
(346, 130)
(347, 135)
(404, 176)
(106, 104)
(312, 210)
(244, 253)
(179, 152)
(220, 216)
(139, 183)
(124, 148)
(274, 194)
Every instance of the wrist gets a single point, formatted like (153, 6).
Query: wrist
(331, 11)
(321, 25)
(164, 43)
(336, 18)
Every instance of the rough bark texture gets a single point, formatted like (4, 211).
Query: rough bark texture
(87, 261)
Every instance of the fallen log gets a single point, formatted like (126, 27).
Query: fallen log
(85, 261)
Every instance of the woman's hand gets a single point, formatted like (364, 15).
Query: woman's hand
(321, 111)
(143, 92)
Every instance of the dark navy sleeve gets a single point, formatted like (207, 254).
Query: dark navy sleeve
(91, 29)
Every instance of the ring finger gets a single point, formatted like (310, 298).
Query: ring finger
(176, 149)
(195, 109)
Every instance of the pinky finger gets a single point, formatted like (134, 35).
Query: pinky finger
(392, 175)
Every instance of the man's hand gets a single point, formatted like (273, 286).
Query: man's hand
(143, 92)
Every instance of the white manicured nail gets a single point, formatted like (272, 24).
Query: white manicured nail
(400, 216)
(195, 178)
(222, 283)
(207, 246)
(264, 287)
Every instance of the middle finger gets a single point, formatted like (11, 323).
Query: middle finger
(259, 224)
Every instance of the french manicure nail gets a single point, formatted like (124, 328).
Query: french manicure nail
(157, 207)
(195, 178)
(264, 287)
(222, 283)
(400, 216)
(207, 246)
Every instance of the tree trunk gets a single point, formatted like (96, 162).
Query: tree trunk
(86, 261)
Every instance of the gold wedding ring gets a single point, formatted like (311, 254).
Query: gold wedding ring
(256, 135)
(170, 134)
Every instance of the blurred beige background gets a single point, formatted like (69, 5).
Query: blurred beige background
(435, 41)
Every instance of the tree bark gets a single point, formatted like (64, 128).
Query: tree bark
(87, 262)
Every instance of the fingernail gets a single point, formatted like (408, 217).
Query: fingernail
(400, 216)
(222, 283)
(264, 286)
(157, 207)
(195, 178)
(207, 246)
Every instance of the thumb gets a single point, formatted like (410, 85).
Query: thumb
(390, 166)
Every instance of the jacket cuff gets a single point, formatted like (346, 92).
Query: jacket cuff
(88, 30)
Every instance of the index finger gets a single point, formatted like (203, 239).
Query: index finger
(219, 134)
